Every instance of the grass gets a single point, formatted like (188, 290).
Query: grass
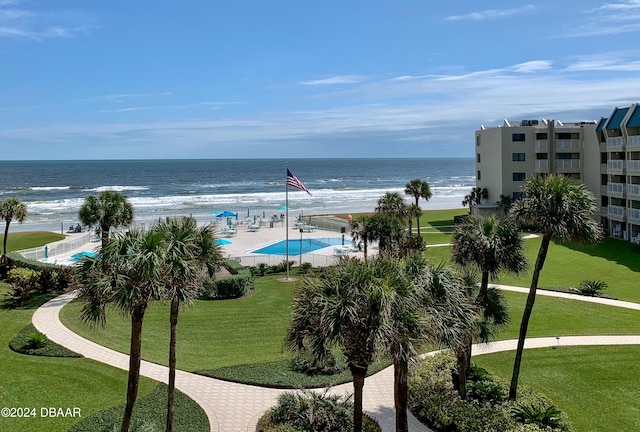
(21, 344)
(32, 381)
(29, 239)
(211, 334)
(150, 414)
(615, 261)
(595, 385)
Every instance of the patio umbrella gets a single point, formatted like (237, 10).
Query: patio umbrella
(227, 213)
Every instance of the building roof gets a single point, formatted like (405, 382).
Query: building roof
(601, 124)
(634, 120)
(616, 118)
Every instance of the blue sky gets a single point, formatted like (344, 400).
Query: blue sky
(254, 79)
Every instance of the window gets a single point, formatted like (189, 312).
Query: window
(603, 157)
(478, 177)
(518, 157)
(604, 200)
(563, 155)
(541, 136)
(517, 195)
(478, 157)
(603, 180)
(517, 176)
(517, 137)
(563, 136)
(478, 140)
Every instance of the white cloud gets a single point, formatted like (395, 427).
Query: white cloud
(341, 79)
(609, 19)
(532, 66)
(620, 6)
(21, 23)
(491, 14)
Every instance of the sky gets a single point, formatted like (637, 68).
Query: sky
(294, 79)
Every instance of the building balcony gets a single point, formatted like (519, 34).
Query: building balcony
(633, 141)
(567, 144)
(563, 165)
(633, 214)
(633, 190)
(615, 165)
(615, 142)
(542, 165)
(615, 188)
(633, 165)
(615, 212)
(542, 146)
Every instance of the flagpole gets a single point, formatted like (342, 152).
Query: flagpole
(286, 212)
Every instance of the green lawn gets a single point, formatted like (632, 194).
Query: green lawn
(597, 386)
(29, 239)
(614, 261)
(215, 334)
(211, 334)
(37, 382)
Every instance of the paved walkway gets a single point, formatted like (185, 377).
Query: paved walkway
(233, 407)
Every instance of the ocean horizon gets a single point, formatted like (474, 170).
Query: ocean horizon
(54, 190)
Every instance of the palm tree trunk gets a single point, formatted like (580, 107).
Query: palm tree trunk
(400, 394)
(418, 225)
(137, 317)
(364, 240)
(4, 243)
(528, 308)
(410, 227)
(359, 374)
(104, 232)
(463, 356)
(173, 319)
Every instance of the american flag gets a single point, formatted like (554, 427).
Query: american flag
(293, 181)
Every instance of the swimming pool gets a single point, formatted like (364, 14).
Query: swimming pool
(308, 245)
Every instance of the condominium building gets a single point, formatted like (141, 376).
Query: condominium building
(604, 155)
(507, 155)
(619, 144)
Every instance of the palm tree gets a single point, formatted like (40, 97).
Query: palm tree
(492, 246)
(393, 204)
(9, 209)
(413, 211)
(420, 311)
(476, 196)
(128, 274)
(387, 229)
(109, 209)
(360, 232)
(418, 189)
(347, 307)
(191, 253)
(560, 209)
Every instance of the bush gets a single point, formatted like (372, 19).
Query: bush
(433, 400)
(233, 286)
(305, 268)
(311, 411)
(592, 288)
(30, 341)
(529, 413)
(24, 283)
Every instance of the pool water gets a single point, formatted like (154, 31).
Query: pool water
(308, 245)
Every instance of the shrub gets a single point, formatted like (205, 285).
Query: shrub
(540, 415)
(305, 268)
(36, 340)
(592, 288)
(262, 269)
(24, 283)
(233, 286)
(311, 411)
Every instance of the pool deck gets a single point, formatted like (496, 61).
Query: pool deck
(242, 243)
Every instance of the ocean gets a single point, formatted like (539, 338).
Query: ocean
(55, 190)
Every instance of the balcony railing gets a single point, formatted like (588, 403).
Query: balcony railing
(615, 165)
(613, 210)
(633, 165)
(542, 165)
(633, 213)
(567, 144)
(615, 142)
(542, 145)
(567, 164)
(633, 189)
(615, 188)
(633, 141)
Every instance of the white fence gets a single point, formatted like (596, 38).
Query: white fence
(57, 248)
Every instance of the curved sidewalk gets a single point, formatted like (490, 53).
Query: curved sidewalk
(233, 407)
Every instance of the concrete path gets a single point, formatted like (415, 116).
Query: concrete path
(232, 407)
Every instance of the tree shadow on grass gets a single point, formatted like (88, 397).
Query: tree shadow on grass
(32, 304)
(619, 251)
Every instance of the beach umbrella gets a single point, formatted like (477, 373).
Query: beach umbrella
(264, 215)
(216, 213)
(227, 213)
(247, 212)
(283, 208)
